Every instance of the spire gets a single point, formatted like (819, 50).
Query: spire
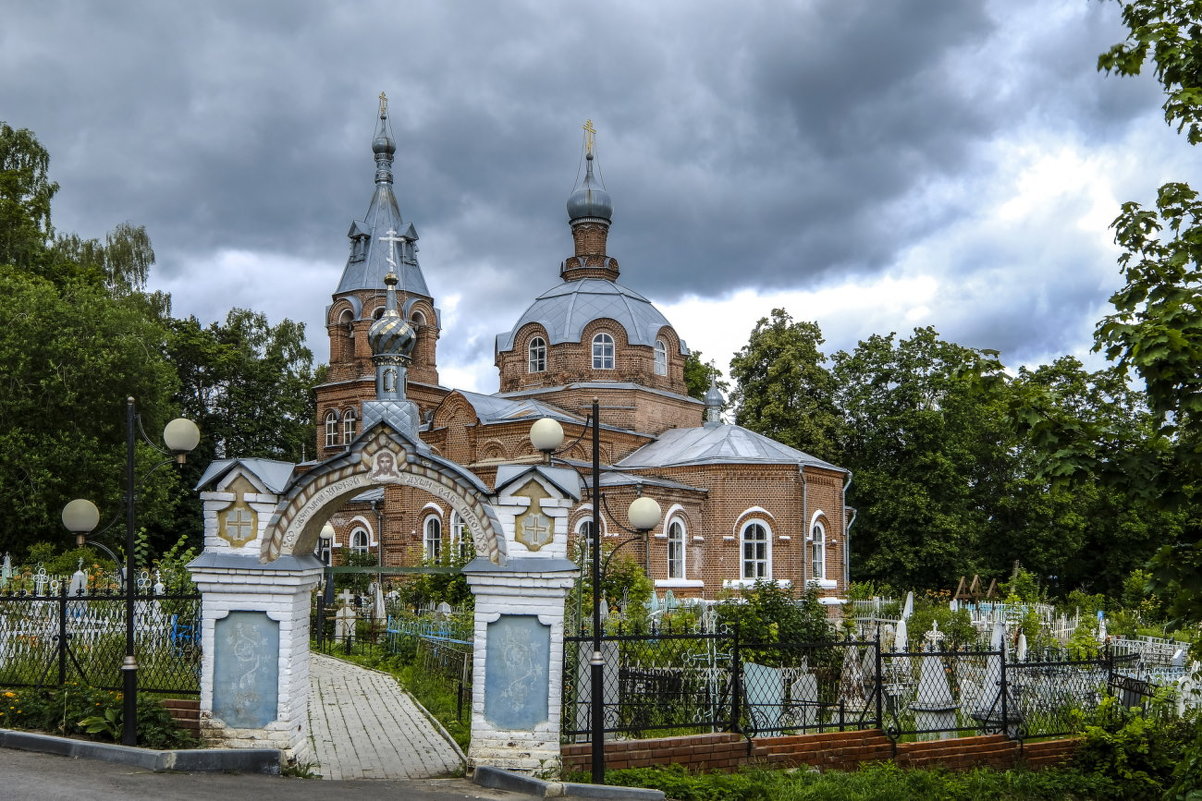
(590, 212)
(376, 247)
(392, 341)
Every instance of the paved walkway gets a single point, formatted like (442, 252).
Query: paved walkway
(364, 726)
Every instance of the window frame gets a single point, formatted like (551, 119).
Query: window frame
(357, 545)
(661, 356)
(332, 419)
(761, 563)
(536, 355)
(432, 545)
(818, 551)
(677, 536)
(349, 420)
(604, 351)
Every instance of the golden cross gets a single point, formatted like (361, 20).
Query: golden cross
(590, 135)
(383, 105)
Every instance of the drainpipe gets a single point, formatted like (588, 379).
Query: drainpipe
(847, 524)
(805, 525)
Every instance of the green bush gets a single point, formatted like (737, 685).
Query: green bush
(74, 711)
(1139, 752)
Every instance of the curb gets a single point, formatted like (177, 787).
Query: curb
(197, 760)
(497, 779)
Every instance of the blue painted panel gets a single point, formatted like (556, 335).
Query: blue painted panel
(246, 670)
(517, 668)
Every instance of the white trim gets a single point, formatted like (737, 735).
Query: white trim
(738, 584)
(754, 510)
(822, 584)
(435, 507)
(361, 521)
(680, 584)
(767, 543)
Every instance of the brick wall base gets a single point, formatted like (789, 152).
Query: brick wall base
(835, 750)
(185, 712)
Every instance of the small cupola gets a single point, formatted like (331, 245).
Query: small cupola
(590, 212)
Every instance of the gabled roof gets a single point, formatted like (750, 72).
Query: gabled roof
(723, 444)
(273, 473)
(564, 479)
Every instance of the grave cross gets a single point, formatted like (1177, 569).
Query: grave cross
(346, 596)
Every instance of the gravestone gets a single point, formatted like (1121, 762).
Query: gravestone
(345, 618)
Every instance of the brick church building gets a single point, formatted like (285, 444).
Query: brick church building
(737, 506)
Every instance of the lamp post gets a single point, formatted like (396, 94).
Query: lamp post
(80, 516)
(546, 435)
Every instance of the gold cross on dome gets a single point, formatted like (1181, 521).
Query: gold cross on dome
(383, 105)
(590, 135)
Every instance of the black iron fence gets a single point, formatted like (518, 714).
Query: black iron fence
(52, 640)
(669, 682)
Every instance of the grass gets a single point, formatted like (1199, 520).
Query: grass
(875, 782)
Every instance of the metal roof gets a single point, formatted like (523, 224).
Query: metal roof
(565, 309)
(273, 473)
(722, 444)
(493, 409)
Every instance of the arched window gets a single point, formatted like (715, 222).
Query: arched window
(538, 355)
(377, 313)
(461, 537)
(433, 538)
(348, 426)
(331, 428)
(345, 336)
(676, 549)
(661, 357)
(359, 541)
(757, 552)
(603, 352)
(818, 551)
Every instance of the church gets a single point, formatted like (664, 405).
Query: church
(737, 506)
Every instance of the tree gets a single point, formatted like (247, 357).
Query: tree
(927, 440)
(25, 194)
(247, 383)
(782, 387)
(1156, 328)
(71, 356)
(699, 374)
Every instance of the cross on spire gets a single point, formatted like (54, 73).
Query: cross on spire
(383, 105)
(391, 238)
(590, 136)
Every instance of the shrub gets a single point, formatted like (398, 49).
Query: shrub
(74, 711)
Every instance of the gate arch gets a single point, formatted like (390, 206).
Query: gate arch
(378, 458)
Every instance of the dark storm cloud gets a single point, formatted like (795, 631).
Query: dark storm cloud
(768, 144)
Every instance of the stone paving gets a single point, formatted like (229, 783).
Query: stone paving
(362, 725)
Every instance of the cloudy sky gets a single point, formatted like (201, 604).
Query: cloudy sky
(874, 165)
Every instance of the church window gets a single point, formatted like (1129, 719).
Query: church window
(433, 536)
(461, 537)
(359, 541)
(676, 549)
(661, 357)
(818, 551)
(538, 355)
(331, 428)
(603, 352)
(378, 313)
(348, 426)
(584, 542)
(390, 380)
(757, 557)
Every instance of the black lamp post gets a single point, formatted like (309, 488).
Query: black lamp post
(180, 436)
(547, 435)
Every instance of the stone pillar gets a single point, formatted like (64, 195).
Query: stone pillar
(254, 674)
(517, 668)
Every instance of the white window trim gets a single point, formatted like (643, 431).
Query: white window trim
(426, 539)
(539, 366)
(350, 542)
(679, 584)
(661, 357)
(740, 584)
(349, 427)
(817, 522)
(767, 550)
(332, 433)
(605, 340)
(684, 540)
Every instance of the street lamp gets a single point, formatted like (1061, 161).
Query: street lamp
(80, 516)
(546, 435)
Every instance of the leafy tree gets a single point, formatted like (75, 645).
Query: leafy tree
(927, 440)
(769, 613)
(1156, 328)
(699, 374)
(782, 387)
(247, 384)
(72, 355)
(25, 194)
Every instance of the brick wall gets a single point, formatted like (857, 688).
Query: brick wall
(834, 750)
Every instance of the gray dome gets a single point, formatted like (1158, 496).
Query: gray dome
(383, 144)
(590, 200)
(565, 309)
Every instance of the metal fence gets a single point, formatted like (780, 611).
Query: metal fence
(52, 640)
(680, 682)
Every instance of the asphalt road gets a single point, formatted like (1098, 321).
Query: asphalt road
(26, 776)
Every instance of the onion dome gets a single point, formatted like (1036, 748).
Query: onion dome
(590, 200)
(714, 401)
(390, 336)
(383, 145)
